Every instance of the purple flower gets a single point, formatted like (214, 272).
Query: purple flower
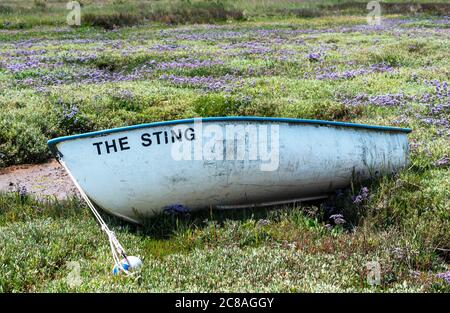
(125, 95)
(352, 73)
(71, 113)
(445, 276)
(314, 56)
(175, 209)
(188, 64)
(442, 162)
(440, 96)
(23, 66)
(362, 196)
(22, 191)
(386, 100)
(80, 58)
(398, 253)
(206, 82)
(167, 47)
(338, 219)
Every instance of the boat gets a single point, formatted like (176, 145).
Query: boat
(138, 171)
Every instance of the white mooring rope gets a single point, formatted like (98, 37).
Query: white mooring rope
(116, 247)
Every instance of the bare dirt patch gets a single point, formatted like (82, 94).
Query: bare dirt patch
(47, 180)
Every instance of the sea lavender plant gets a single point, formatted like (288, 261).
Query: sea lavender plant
(167, 47)
(315, 56)
(395, 99)
(70, 114)
(188, 64)
(362, 196)
(80, 58)
(23, 66)
(22, 192)
(205, 82)
(438, 104)
(72, 121)
(338, 219)
(445, 276)
(176, 209)
(263, 222)
(443, 162)
(352, 73)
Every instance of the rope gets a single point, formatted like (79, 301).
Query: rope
(116, 248)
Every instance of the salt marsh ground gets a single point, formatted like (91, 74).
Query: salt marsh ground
(57, 80)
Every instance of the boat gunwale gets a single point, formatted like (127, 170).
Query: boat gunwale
(53, 142)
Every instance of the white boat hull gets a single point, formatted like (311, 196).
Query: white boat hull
(137, 177)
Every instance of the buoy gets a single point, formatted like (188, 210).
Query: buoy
(134, 264)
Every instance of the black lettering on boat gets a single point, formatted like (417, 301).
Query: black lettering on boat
(109, 146)
(124, 144)
(179, 137)
(112, 145)
(146, 141)
(158, 140)
(189, 134)
(97, 144)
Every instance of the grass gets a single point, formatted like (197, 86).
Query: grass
(56, 81)
(286, 249)
(162, 73)
(22, 14)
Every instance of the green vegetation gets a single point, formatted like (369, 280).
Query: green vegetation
(20, 14)
(285, 249)
(270, 61)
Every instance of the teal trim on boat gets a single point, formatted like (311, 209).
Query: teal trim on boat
(52, 142)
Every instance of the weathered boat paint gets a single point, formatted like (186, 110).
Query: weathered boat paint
(139, 170)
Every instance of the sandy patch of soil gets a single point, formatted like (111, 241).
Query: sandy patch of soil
(47, 180)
